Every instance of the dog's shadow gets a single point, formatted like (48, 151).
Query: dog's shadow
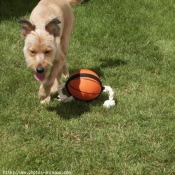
(76, 108)
(70, 110)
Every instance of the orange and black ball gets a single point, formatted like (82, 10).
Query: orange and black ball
(84, 84)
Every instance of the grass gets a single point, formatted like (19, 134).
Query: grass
(130, 44)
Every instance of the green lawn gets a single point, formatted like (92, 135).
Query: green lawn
(130, 44)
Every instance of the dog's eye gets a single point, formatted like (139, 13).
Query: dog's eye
(47, 52)
(32, 51)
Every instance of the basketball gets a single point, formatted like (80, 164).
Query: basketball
(84, 84)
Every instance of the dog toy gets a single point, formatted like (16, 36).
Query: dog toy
(85, 85)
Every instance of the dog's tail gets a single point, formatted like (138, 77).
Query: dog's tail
(74, 2)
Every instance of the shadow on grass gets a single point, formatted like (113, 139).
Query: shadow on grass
(85, 1)
(111, 62)
(15, 9)
(70, 110)
(18, 8)
(104, 63)
(76, 108)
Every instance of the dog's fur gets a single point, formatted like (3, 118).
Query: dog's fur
(46, 35)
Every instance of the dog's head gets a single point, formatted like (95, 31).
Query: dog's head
(40, 46)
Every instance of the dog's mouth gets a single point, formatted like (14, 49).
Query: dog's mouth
(40, 76)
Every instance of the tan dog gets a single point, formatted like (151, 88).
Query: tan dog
(46, 37)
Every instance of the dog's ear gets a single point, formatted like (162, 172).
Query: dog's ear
(26, 27)
(52, 27)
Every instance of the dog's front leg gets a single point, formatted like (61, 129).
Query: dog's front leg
(44, 94)
(44, 91)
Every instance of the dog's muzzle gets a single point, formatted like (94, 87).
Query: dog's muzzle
(40, 74)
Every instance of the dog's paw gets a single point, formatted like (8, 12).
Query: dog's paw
(42, 95)
(46, 100)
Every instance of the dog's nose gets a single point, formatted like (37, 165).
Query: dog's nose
(40, 69)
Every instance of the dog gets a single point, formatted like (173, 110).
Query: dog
(46, 35)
